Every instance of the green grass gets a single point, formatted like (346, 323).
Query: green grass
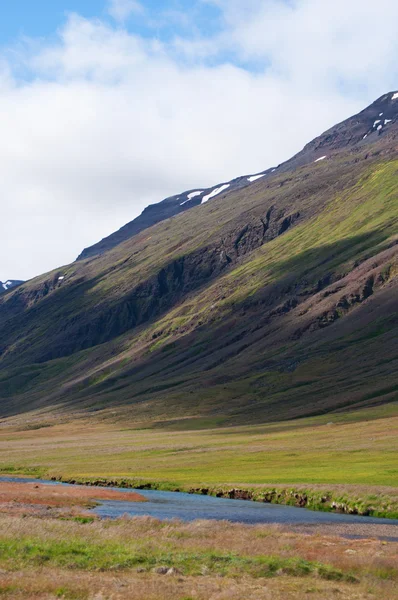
(108, 556)
(34, 472)
(358, 447)
(349, 456)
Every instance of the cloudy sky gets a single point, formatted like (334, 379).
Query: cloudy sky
(107, 108)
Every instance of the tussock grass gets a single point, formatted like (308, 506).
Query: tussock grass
(208, 558)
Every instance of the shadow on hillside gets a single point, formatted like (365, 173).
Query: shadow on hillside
(190, 361)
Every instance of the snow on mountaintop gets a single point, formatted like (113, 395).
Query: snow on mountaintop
(191, 196)
(10, 283)
(194, 194)
(395, 96)
(255, 177)
(215, 192)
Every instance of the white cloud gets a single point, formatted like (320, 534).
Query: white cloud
(108, 122)
(121, 10)
(336, 42)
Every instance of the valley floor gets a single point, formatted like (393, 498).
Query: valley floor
(349, 457)
(48, 554)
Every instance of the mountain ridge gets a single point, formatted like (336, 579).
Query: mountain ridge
(167, 208)
(371, 121)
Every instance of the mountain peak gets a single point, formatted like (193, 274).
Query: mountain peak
(366, 127)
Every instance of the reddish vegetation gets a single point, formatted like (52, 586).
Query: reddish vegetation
(17, 498)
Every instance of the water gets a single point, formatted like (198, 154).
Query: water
(189, 507)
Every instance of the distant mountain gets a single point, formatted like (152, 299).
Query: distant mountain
(362, 129)
(10, 283)
(273, 300)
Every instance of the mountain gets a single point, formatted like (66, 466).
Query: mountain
(10, 283)
(362, 129)
(271, 301)
(167, 208)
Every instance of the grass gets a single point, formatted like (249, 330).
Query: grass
(78, 554)
(207, 558)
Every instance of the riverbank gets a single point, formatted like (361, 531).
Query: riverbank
(354, 500)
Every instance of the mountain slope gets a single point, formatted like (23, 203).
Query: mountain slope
(360, 129)
(164, 210)
(276, 301)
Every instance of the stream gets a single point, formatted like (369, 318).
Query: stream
(189, 507)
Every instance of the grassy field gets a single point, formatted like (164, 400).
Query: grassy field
(353, 455)
(145, 558)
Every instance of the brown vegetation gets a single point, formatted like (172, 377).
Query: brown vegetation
(33, 498)
(371, 564)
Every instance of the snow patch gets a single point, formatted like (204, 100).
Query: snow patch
(380, 127)
(273, 170)
(192, 195)
(255, 177)
(321, 158)
(375, 123)
(215, 192)
(365, 136)
(381, 114)
(395, 96)
(387, 121)
(61, 278)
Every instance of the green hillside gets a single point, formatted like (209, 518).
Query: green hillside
(274, 302)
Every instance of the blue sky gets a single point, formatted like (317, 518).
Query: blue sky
(107, 106)
(38, 18)
(41, 18)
